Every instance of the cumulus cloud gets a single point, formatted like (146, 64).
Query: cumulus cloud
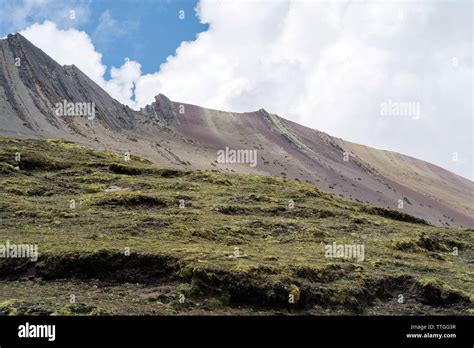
(123, 81)
(332, 65)
(69, 46)
(327, 65)
(72, 46)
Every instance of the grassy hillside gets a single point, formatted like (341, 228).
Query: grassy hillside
(144, 239)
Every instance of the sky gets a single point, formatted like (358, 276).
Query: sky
(394, 75)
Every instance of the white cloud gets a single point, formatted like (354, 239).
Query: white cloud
(67, 47)
(330, 65)
(122, 81)
(16, 14)
(109, 27)
(72, 46)
(327, 65)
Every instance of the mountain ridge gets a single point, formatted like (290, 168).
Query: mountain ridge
(188, 136)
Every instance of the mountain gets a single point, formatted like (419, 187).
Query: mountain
(187, 136)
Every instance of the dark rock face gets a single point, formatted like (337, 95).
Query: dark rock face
(162, 110)
(33, 83)
(189, 136)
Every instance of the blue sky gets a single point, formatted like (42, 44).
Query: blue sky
(146, 31)
(152, 30)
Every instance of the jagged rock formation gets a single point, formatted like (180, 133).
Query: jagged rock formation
(33, 83)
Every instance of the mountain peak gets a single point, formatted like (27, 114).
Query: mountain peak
(16, 36)
(162, 98)
(34, 83)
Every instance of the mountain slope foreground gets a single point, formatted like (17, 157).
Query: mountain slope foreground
(131, 237)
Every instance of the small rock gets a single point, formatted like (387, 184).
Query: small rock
(240, 256)
(114, 188)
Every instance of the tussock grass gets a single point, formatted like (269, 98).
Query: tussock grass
(236, 247)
